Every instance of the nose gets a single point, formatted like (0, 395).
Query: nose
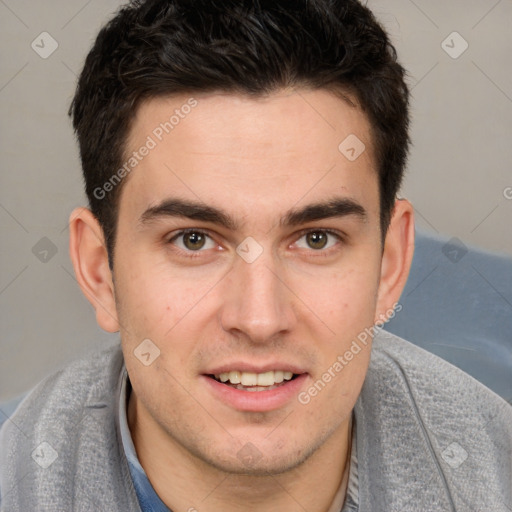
(256, 301)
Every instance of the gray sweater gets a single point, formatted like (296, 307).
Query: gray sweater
(429, 438)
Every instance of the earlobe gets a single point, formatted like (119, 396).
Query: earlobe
(396, 259)
(90, 261)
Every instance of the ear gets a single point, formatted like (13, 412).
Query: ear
(396, 258)
(90, 261)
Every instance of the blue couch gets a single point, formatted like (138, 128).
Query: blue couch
(458, 304)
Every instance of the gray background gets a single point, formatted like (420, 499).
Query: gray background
(458, 174)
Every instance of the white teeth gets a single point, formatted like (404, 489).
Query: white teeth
(256, 388)
(235, 377)
(249, 379)
(265, 379)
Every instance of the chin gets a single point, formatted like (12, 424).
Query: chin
(251, 460)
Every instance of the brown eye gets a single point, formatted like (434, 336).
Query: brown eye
(320, 240)
(194, 241)
(317, 239)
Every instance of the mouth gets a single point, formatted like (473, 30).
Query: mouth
(254, 382)
(255, 392)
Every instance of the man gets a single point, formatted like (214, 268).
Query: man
(242, 162)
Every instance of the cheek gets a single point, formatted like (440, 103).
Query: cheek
(343, 304)
(172, 313)
(335, 386)
(153, 301)
(344, 300)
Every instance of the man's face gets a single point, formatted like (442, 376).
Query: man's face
(259, 281)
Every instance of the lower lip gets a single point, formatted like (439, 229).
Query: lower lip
(256, 401)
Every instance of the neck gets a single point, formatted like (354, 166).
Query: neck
(185, 482)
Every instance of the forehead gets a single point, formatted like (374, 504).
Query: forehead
(250, 152)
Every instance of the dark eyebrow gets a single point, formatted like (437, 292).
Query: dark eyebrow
(190, 209)
(337, 207)
(174, 207)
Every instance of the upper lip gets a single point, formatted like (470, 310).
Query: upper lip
(255, 368)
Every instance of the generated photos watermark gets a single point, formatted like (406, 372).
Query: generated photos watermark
(152, 141)
(343, 360)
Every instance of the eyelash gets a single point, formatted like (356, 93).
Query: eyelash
(301, 234)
